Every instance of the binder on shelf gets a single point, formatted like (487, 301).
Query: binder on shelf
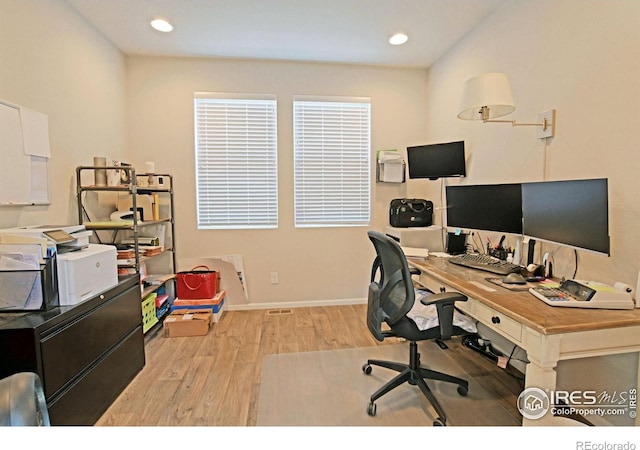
(126, 254)
(150, 250)
(156, 206)
(161, 300)
(126, 262)
(142, 240)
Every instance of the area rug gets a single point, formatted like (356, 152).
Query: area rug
(328, 388)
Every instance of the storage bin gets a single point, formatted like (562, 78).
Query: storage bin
(149, 317)
(30, 290)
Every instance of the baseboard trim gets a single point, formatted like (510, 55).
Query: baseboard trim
(302, 304)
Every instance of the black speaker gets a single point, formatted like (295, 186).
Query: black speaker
(456, 243)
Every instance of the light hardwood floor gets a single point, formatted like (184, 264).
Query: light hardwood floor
(215, 379)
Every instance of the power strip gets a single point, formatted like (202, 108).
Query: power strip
(481, 346)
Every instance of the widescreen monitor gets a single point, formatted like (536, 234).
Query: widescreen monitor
(435, 161)
(490, 207)
(573, 213)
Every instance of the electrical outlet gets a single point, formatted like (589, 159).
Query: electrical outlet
(274, 277)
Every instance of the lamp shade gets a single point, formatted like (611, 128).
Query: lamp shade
(489, 93)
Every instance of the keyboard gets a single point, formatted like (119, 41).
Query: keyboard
(484, 262)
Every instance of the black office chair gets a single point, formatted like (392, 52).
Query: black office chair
(22, 401)
(390, 299)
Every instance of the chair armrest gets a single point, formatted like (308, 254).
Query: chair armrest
(444, 297)
(445, 305)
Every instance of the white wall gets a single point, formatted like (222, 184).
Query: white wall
(53, 62)
(582, 58)
(325, 264)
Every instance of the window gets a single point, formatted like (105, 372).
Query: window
(332, 161)
(236, 161)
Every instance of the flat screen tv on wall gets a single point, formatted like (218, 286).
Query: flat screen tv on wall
(435, 161)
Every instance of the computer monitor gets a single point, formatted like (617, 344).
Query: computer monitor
(435, 161)
(573, 213)
(490, 207)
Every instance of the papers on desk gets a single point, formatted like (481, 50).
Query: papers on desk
(20, 277)
(20, 257)
(415, 252)
(7, 240)
(441, 254)
(19, 261)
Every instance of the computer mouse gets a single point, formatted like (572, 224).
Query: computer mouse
(514, 278)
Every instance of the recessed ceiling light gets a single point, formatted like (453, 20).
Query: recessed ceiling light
(161, 25)
(398, 39)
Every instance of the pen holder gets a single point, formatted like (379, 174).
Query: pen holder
(499, 253)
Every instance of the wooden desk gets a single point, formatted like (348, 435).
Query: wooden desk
(548, 334)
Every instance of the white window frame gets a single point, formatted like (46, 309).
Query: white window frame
(236, 160)
(332, 161)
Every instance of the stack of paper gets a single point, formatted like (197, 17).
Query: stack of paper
(415, 252)
(391, 166)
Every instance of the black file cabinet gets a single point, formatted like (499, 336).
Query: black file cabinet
(85, 354)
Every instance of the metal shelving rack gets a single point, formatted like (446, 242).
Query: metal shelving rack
(135, 226)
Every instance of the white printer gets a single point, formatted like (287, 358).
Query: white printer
(85, 273)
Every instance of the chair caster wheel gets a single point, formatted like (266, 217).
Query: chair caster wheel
(439, 422)
(462, 391)
(371, 410)
(367, 369)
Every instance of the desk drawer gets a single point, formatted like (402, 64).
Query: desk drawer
(432, 284)
(74, 347)
(497, 321)
(436, 287)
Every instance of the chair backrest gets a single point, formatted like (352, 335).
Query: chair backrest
(22, 401)
(396, 293)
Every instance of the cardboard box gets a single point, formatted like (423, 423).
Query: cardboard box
(216, 309)
(188, 322)
(215, 305)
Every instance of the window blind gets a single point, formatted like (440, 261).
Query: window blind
(236, 161)
(332, 162)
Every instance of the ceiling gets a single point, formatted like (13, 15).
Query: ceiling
(337, 31)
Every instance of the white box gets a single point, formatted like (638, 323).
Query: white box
(430, 238)
(85, 273)
(218, 315)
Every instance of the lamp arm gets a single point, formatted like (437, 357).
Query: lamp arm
(513, 123)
